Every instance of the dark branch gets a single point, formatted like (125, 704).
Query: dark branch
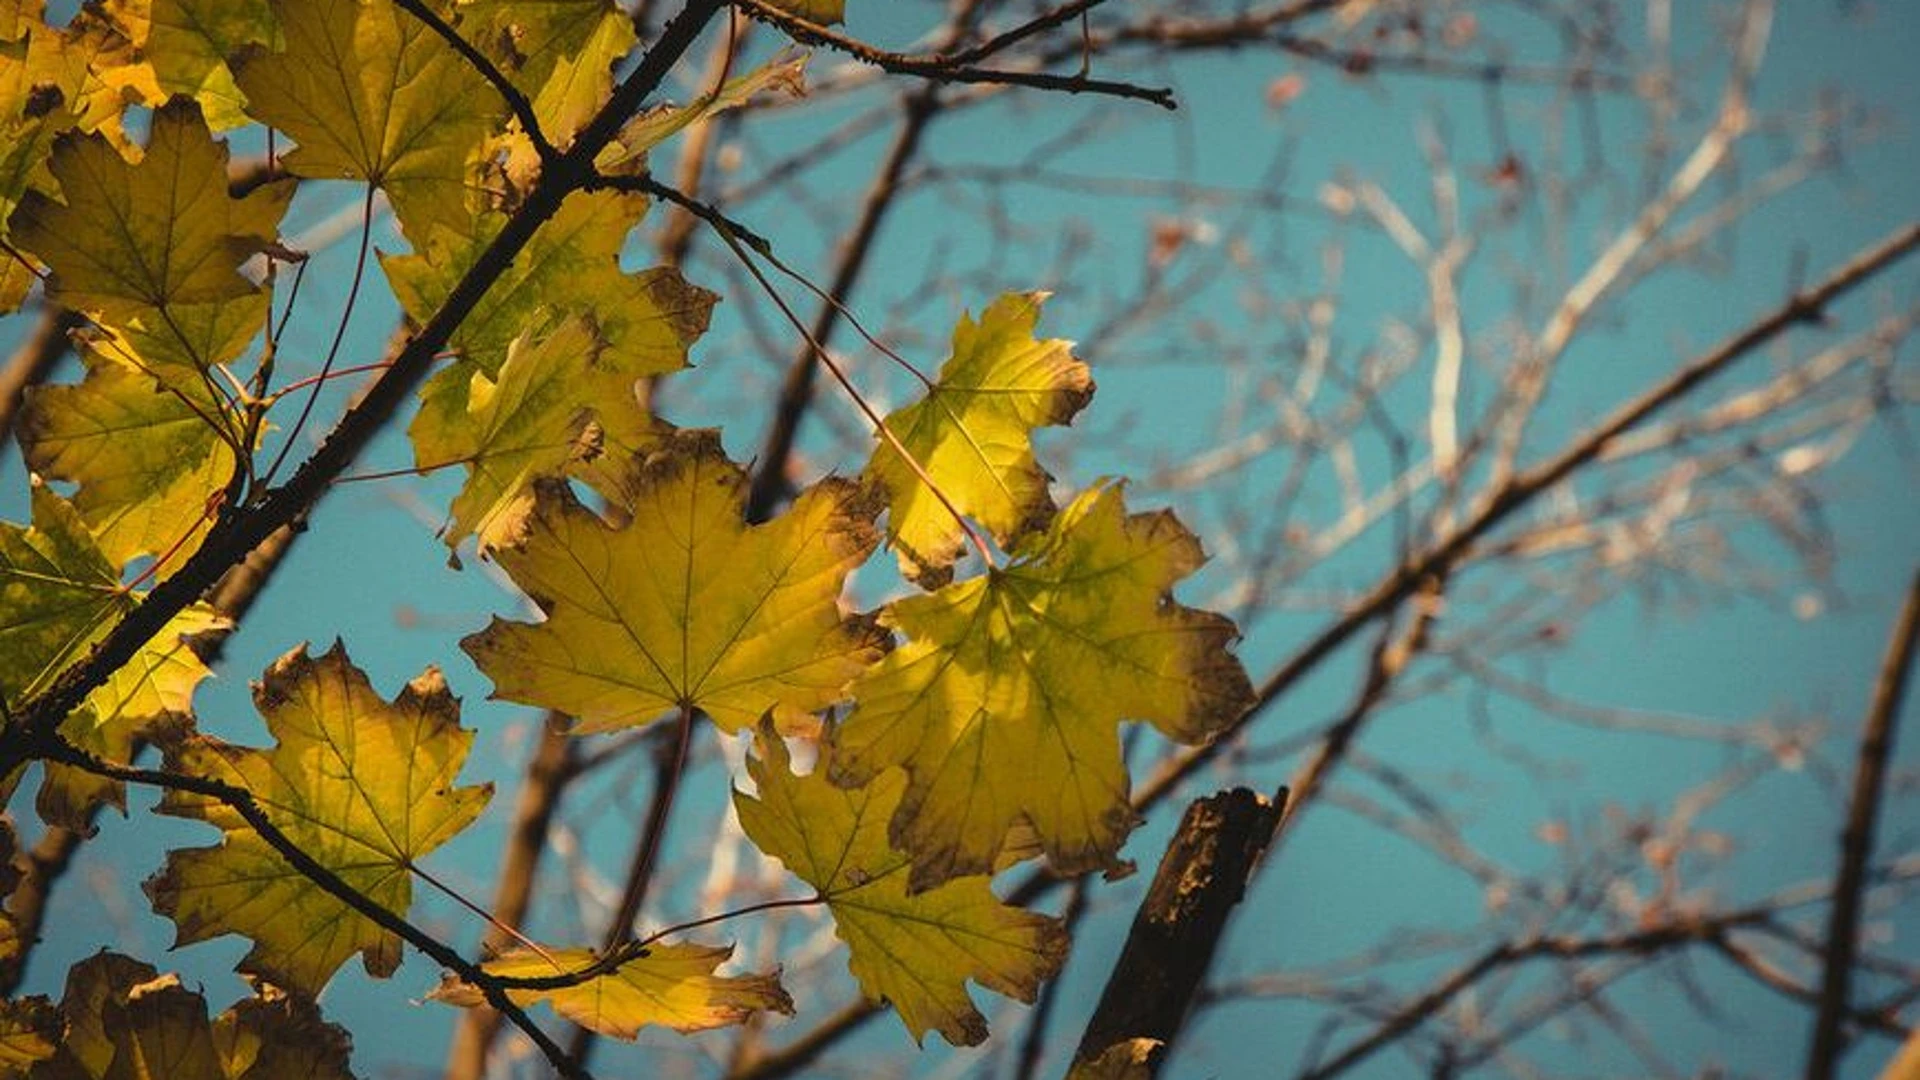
(1178, 927)
(516, 101)
(242, 802)
(947, 69)
(1856, 842)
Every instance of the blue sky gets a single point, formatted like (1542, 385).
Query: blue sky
(372, 572)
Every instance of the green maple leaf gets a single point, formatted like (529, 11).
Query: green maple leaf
(363, 786)
(914, 950)
(687, 606)
(132, 237)
(972, 434)
(1004, 703)
(371, 93)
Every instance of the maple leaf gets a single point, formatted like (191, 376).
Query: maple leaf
(916, 950)
(563, 58)
(687, 606)
(1005, 699)
(571, 267)
(362, 786)
(186, 43)
(28, 128)
(134, 236)
(147, 459)
(96, 65)
(123, 1021)
(668, 985)
(784, 74)
(59, 594)
(538, 420)
(972, 434)
(371, 93)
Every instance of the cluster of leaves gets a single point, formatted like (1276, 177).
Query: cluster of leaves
(958, 730)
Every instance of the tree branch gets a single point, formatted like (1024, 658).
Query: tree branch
(1856, 841)
(1201, 878)
(242, 802)
(235, 536)
(951, 69)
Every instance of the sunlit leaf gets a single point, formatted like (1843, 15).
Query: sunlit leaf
(371, 93)
(130, 236)
(783, 75)
(1005, 700)
(542, 419)
(568, 80)
(972, 434)
(59, 594)
(916, 951)
(363, 786)
(670, 985)
(187, 42)
(147, 461)
(570, 268)
(686, 606)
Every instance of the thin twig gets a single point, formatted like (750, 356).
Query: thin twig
(243, 802)
(515, 99)
(945, 69)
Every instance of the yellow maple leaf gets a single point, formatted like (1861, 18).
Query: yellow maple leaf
(28, 127)
(668, 985)
(530, 40)
(1004, 702)
(972, 434)
(186, 43)
(539, 420)
(147, 460)
(372, 93)
(133, 236)
(687, 606)
(915, 950)
(59, 594)
(571, 267)
(362, 786)
(563, 57)
(96, 65)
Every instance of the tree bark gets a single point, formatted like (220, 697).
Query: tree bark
(1174, 935)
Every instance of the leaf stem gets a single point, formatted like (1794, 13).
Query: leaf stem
(52, 747)
(339, 336)
(879, 425)
(448, 890)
